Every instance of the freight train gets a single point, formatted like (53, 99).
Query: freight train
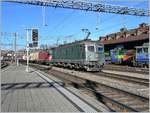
(86, 54)
(80, 55)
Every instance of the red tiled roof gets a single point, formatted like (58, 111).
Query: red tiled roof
(128, 39)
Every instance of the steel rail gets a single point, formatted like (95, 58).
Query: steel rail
(80, 104)
(126, 69)
(131, 79)
(103, 97)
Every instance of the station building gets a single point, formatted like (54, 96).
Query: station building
(127, 39)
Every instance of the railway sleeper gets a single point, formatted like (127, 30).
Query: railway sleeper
(112, 95)
(108, 93)
(115, 96)
(132, 100)
(113, 104)
(124, 99)
(141, 107)
(117, 106)
(137, 105)
(104, 89)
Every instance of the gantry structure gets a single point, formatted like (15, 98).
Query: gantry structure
(86, 5)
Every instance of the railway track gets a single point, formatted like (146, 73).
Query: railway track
(78, 102)
(127, 69)
(115, 99)
(128, 79)
(3, 65)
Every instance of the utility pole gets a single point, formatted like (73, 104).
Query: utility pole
(15, 35)
(27, 48)
(57, 42)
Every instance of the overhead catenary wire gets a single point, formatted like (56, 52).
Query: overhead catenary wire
(60, 23)
(56, 26)
(123, 21)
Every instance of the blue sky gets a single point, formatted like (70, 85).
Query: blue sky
(65, 22)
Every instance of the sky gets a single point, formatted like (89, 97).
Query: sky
(65, 24)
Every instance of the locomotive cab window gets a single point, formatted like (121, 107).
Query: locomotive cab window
(139, 50)
(100, 49)
(91, 48)
(121, 52)
(145, 50)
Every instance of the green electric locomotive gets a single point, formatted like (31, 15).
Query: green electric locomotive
(84, 55)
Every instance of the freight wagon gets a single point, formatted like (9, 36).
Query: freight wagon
(85, 54)
(41, 57)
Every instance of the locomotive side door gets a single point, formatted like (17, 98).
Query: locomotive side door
(101, 56)
(90, 52)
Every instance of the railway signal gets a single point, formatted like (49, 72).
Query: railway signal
(34, 35)
(35, 44)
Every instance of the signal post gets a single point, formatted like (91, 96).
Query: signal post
(33, 44)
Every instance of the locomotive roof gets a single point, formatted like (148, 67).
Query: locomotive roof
(141, 47)
(144, 45)
(85, 41)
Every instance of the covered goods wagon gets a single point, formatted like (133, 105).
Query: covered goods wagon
(40, 56)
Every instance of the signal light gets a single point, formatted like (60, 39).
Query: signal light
(34, 35)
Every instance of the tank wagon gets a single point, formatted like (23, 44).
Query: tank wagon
(85, 54)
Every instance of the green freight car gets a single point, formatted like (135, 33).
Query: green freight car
(85, 54)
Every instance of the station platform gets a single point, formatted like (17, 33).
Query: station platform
(28, 92)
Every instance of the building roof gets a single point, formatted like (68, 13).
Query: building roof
(127, 39)
(140, 33)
